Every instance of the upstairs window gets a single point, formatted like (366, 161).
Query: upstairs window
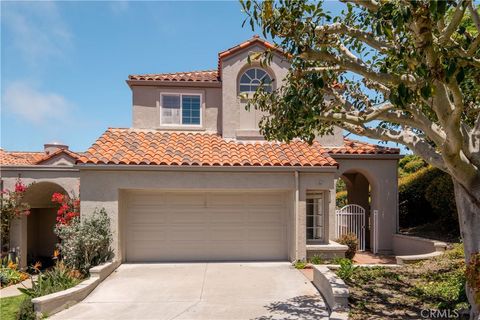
(253, 78)
(180, 109)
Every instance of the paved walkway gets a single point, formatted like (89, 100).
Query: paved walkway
(12, 290)
(366, 257)
(260, 291)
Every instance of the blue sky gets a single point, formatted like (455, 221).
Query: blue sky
(64, 64)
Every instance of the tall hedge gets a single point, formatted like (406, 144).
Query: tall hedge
(426, 196)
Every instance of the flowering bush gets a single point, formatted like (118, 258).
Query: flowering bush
(11, 207)
(9, 273)
(86, 243)
(68, 208)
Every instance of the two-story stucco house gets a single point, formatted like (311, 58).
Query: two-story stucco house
(193, 179)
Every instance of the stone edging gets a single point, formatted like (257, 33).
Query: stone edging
(58, 301)
(417, 257)
(334, 291)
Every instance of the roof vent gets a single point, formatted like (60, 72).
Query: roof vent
(52, 147)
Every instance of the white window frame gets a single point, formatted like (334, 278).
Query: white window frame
(181, 94)
(249, 84)
(312, 195)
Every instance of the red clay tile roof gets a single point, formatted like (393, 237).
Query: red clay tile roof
(193, 76)
(126, 146)
(72, 154)
(254, 40)
(359, 147)
(15, 158)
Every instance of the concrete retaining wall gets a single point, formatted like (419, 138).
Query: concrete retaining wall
(334, 291)
(58, 301)
(409, 245)
(327, 251)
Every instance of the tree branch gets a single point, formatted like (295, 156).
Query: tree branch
(453, 25)
(474, 46)
(366, 37)
(383, 78)
(475, 15)
(371, 5)
(405, 137)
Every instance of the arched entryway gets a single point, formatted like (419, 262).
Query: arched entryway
(358, 192)
(41, 239)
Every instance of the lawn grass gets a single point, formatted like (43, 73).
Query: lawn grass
(402, 293)
(9, 307)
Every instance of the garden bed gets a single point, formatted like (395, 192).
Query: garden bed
(403, 292)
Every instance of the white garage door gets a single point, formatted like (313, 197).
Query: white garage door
(207, 226)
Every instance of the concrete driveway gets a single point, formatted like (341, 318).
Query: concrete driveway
(262, 291)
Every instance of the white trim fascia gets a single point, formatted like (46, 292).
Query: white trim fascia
(367, 156)
(121, 167)
(38, 168)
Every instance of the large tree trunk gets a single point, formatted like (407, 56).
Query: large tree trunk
(468, 206)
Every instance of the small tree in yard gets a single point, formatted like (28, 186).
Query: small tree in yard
(12, 206)
(400, 71)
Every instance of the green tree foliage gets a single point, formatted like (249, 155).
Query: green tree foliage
(400, 71)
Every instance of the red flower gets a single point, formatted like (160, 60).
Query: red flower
(58, 197)
(20, 187)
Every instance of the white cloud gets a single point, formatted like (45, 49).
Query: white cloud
(36, 29)
(119, 6)
(37, 107)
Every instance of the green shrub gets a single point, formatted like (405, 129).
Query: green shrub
(26, 311)
(441, 197)
(351, 241)
(317, 259)
(300, 264)
(56, 279)
(426, 196)
(87, 243)
(346, 270)
(337, 260)
(410, 164)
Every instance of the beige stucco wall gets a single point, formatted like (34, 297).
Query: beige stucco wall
(382, 176)
(146, 107)
(66, 178)
(237, 122)
(107, 188)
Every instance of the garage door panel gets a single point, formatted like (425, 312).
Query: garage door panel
(265, 216)
(204, 226)
(227, 233)
(226, 215)
(265, 234)
(185, 215)
(180, 233)
(151, 217)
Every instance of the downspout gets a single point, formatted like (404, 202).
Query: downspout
(295, 211)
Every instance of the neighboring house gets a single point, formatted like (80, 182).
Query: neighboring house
(193, 179)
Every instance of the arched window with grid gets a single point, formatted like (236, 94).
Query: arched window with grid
(253, 78)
